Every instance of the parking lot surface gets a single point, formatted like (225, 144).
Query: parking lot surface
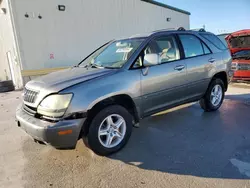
(181, 147)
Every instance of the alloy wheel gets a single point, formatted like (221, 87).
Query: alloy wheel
(112, 131)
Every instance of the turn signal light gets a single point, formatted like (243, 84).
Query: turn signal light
(65, 132)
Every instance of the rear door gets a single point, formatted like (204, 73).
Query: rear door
(201, 64)
(163, 84)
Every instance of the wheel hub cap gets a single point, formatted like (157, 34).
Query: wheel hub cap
(112, 131)
(216, 95)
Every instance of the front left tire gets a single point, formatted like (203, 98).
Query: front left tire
(110, 130)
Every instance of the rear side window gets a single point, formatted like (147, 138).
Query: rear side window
(223, 40)
(214, 40)
(192, 46)
(206, 50)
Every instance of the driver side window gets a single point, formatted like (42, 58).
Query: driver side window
(165, 47)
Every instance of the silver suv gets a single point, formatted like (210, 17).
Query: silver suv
(122, 82)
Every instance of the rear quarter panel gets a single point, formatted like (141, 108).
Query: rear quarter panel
(226, 63)
(223, 57)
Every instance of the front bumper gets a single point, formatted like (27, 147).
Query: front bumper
(230, 76)
(241, 75)
(50, 133)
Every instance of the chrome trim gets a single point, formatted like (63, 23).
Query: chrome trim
(50, 118)
(28, 110)
(243, 66)
(29, 95)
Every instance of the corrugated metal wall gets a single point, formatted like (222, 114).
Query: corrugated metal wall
(63, 38)
(8, 55)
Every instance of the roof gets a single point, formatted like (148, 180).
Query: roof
(170, 30)
(166, 6)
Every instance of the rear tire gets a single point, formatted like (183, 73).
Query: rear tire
(214, 96)
(6, 86)
(101, 130)
(6, 89)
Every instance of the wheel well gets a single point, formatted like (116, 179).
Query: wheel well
(123, 100)
(223, 77)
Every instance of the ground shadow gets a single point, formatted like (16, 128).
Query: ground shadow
(188, 141)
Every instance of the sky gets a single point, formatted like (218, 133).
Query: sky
(218, 16)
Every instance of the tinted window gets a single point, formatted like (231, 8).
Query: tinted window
(206, 50)
(192, 45)
(222, 38)
(214, 40)
(165, 47)
(240, 42)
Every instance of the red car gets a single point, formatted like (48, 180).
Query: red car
(239, 44)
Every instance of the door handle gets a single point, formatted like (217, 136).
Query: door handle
(211, 60)
(179, 67)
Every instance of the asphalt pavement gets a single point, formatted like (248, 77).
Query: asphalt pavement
(181, 147)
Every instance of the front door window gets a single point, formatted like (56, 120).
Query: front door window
(165, 47)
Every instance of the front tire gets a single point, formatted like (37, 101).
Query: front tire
(214, 96)
(110, 130)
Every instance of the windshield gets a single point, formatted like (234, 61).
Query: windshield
(240, 42)
(114, 54)
(243, 54)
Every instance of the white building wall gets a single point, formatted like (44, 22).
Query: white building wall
(71, 35)
(8, 55)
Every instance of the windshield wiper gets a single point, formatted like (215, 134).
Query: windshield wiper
(99, 66)
(96, 66)
(93, 65)
(111, 67)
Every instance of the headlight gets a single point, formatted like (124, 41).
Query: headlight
(54, 105)
(234, 66)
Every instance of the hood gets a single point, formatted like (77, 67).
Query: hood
(57, 81)
(239, 40)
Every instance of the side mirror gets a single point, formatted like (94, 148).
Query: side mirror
(151, 60)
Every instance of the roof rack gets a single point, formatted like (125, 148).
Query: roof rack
(167, 29)
(181, 29)
(200, 30)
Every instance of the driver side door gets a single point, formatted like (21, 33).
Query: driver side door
(164, 84)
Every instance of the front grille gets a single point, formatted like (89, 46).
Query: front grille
(243, 66)
(29, 95)
(240, 66)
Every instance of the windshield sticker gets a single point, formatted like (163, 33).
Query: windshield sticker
(124, 50)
